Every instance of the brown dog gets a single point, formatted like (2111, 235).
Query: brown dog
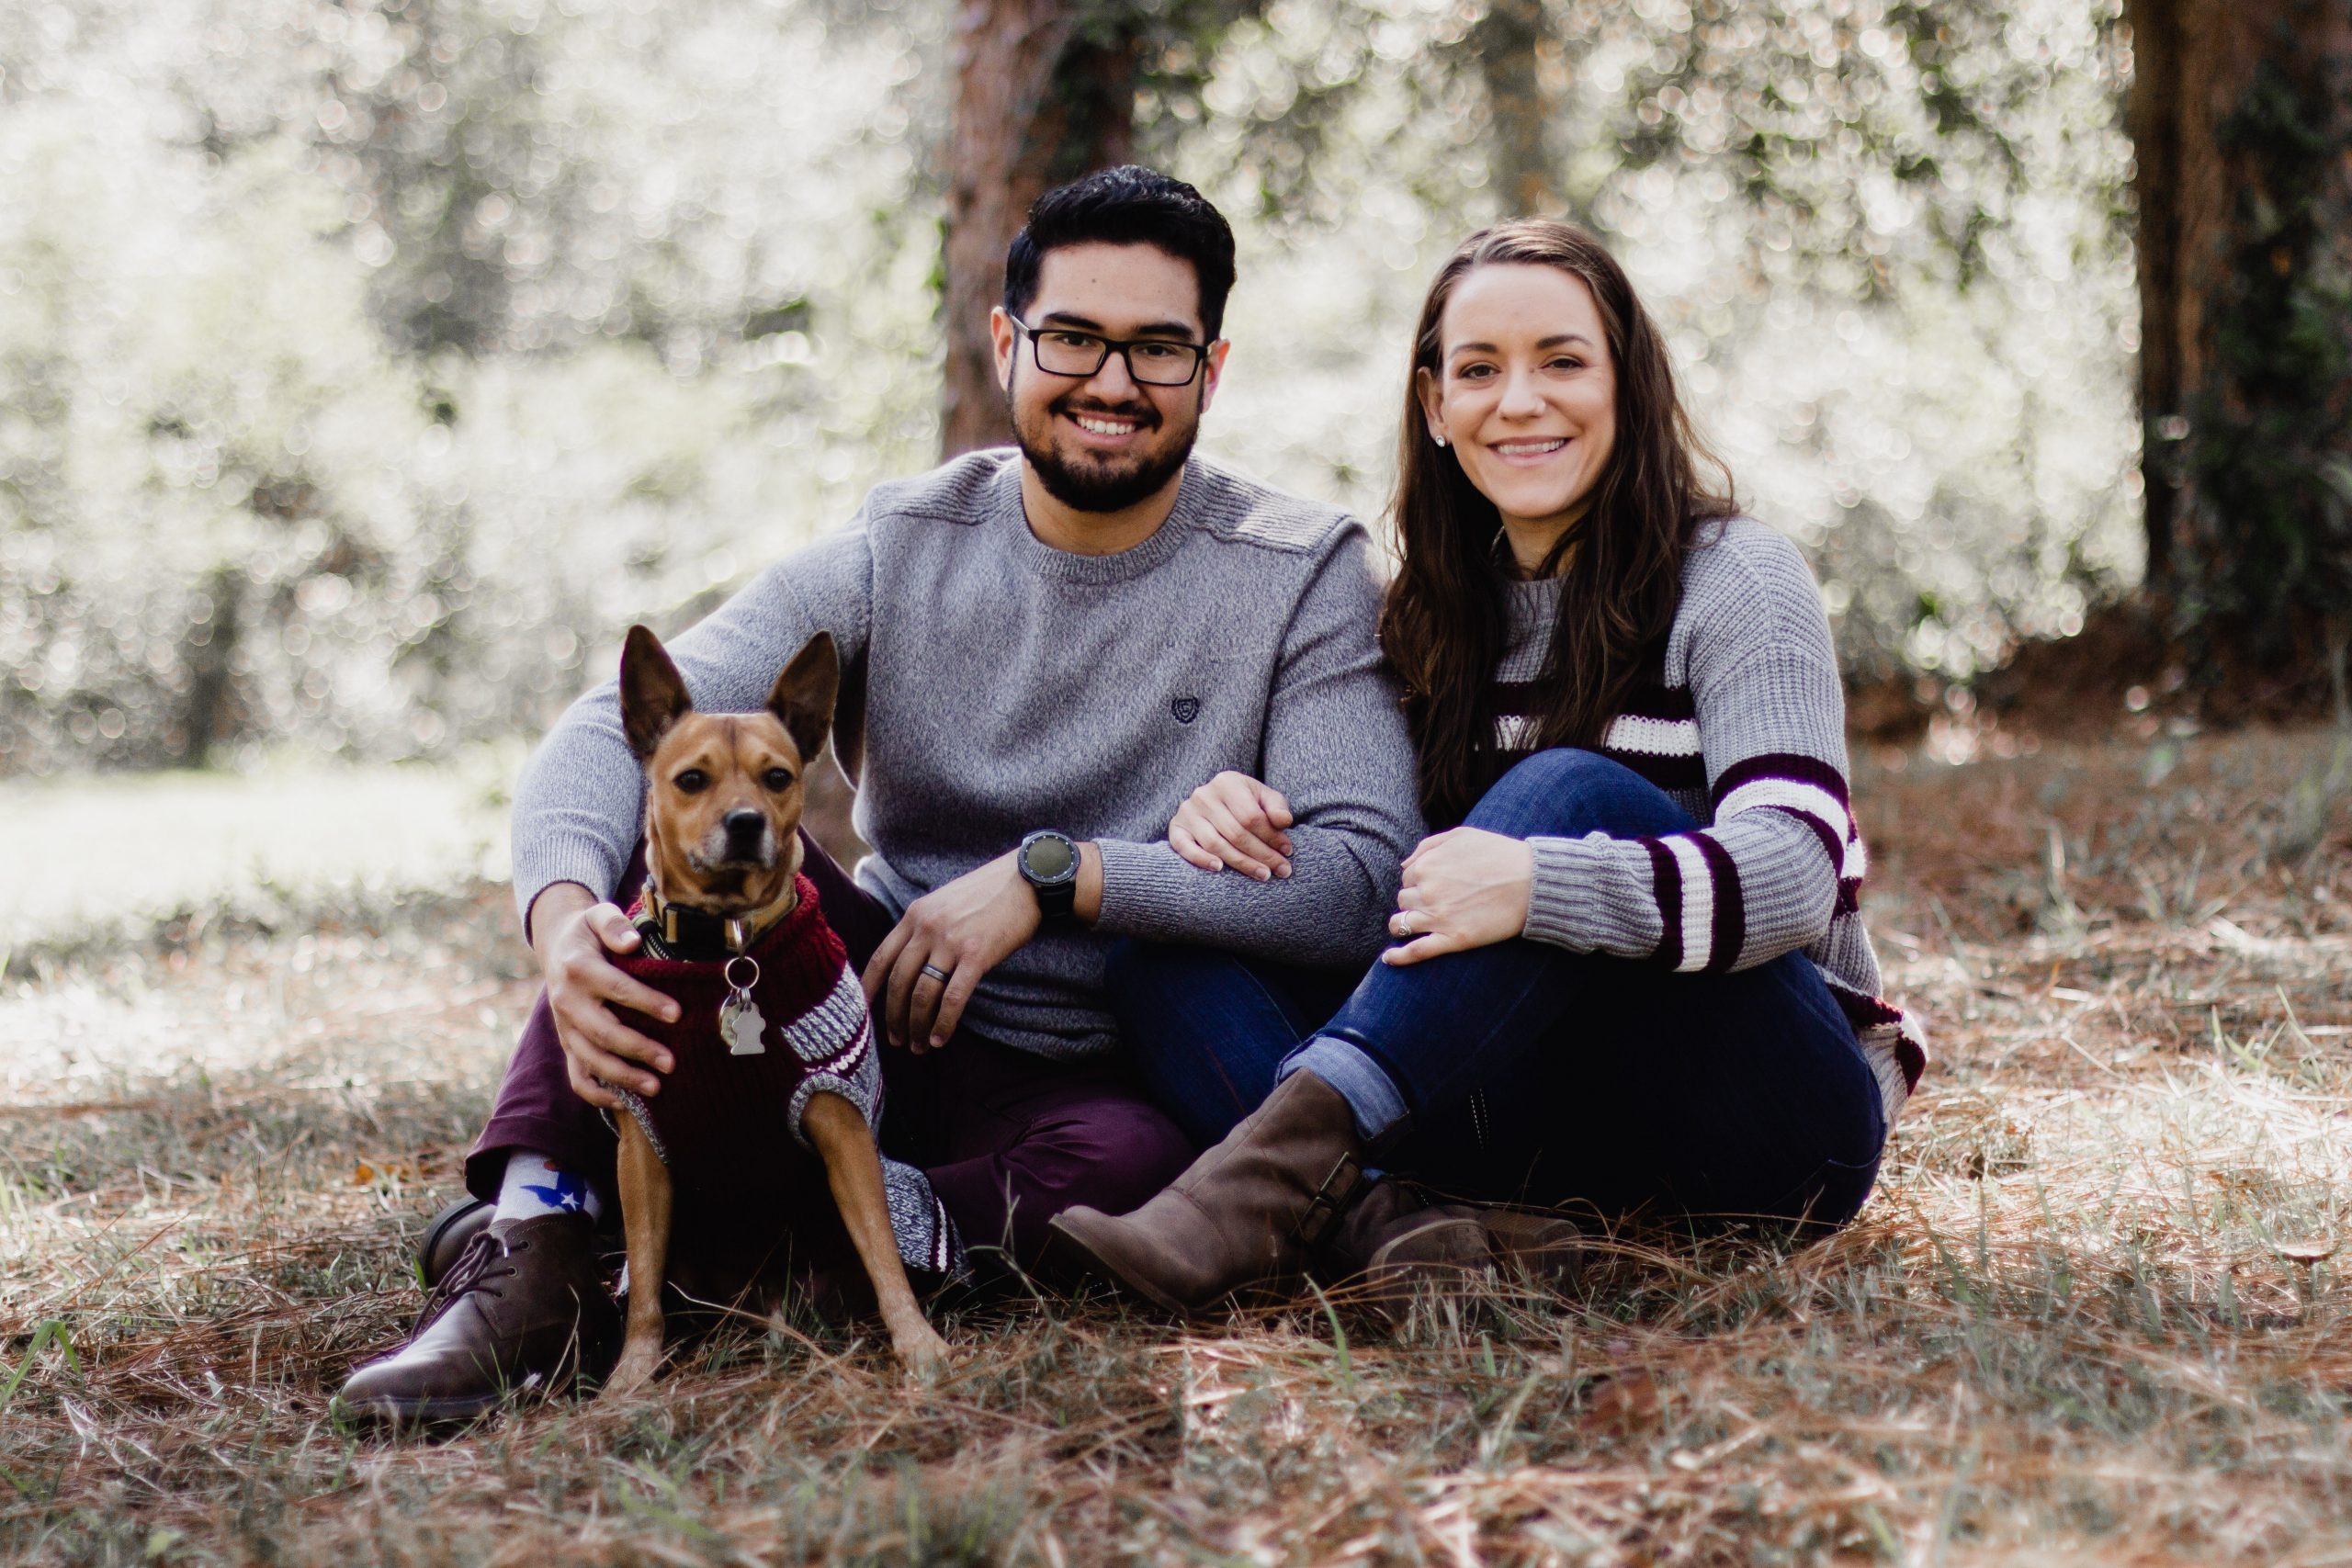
(722, 851)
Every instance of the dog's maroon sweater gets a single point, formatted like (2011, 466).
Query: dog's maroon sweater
(720, 1120)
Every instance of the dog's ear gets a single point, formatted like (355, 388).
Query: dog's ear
(804, 694)
(654, 695)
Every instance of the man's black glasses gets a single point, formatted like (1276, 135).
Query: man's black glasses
(1152, 362)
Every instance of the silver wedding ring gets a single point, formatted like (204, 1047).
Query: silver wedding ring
(1402, 924)
(936, 973)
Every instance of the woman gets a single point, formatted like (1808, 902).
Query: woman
(1630, 972)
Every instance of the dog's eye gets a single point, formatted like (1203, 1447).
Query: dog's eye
(694, 780)
(779, 779)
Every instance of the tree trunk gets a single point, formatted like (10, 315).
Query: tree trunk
(2209, 183)
(1043, 94)
(1513, 45)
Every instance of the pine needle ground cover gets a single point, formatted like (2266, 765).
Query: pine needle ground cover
(2096, 1312)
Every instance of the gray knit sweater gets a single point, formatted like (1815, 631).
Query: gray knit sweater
(993, 685)
(1745, 725)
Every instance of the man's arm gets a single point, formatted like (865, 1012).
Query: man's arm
(579, 807)
(1336, 749)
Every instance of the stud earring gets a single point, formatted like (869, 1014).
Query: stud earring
(1441, 440)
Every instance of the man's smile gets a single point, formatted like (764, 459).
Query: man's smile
(1106, 430)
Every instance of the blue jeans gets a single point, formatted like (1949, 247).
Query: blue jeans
(1525, 1072)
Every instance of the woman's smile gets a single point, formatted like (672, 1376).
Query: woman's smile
(1527, 452)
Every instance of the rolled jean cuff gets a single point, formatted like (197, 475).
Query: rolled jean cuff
(1370, 1092)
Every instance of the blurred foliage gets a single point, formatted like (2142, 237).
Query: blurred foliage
(1886, 240)
(366, 366)
(2269, 447)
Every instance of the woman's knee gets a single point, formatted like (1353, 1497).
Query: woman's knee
(1569, 791)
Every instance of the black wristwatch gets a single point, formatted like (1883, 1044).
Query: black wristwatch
(1048, 863)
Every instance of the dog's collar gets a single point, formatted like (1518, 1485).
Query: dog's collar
(698, 936)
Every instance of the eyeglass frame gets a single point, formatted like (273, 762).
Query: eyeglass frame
(1119, 346)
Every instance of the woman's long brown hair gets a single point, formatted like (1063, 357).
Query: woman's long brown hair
(1446, 622)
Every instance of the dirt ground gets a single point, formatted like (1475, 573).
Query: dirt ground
(2096, 1312)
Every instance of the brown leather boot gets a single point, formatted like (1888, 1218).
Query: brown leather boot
(522, 1309)
(1247, 1214)
(1389, 1210)
(1535, 1245)
(1398, 1241)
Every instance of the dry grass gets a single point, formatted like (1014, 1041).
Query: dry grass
(2095, 1313)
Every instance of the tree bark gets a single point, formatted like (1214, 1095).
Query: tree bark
(2194, 64)
(1510, 42)
(1044, 92)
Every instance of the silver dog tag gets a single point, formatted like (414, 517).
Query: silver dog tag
(738, 1015)
(740, 1021)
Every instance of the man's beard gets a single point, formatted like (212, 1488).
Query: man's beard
(1090, 484)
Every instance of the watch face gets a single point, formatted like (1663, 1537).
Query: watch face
(1048, 859)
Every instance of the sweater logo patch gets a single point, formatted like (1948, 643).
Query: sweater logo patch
(1186, 709)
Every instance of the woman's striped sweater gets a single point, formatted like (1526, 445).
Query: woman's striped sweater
(1745, 725)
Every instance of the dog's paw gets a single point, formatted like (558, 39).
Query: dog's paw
(922, 1352)
(635, 1372)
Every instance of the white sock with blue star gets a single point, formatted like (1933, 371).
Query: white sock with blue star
(535, 1185)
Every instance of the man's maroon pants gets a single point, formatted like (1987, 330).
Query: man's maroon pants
(1009, 1138)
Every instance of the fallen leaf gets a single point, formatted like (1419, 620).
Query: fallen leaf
(1622, 1398)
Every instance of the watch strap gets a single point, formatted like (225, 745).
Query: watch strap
(1059, 902)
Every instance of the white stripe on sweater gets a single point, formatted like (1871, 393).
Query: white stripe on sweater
(1811, 799)
(1653, 737)
(1697, 902)
(1516, 732)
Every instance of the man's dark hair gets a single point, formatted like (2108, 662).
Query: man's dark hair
(1127, 206)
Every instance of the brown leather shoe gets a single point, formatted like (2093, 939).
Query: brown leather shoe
(1247, 1214)
(446, 1238)
(523, 1310)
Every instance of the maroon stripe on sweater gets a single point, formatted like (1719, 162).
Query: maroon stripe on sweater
(1666, 876)
(1655, 701)
(1849, 896)
(1642, 702)
(1794, 766)
(1687, 773)
(1731, 912)
(1863, 1013)
(1517, 697)
(1820, 830)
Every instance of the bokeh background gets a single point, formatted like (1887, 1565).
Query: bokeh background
(366, 367)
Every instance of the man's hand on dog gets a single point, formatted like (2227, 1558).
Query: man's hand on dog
(573, 931)
(962, 929)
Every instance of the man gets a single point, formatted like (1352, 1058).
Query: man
(1045, 651)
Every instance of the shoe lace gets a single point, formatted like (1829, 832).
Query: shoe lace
(485, 1260)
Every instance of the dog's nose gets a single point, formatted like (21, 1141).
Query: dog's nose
(744, 826)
